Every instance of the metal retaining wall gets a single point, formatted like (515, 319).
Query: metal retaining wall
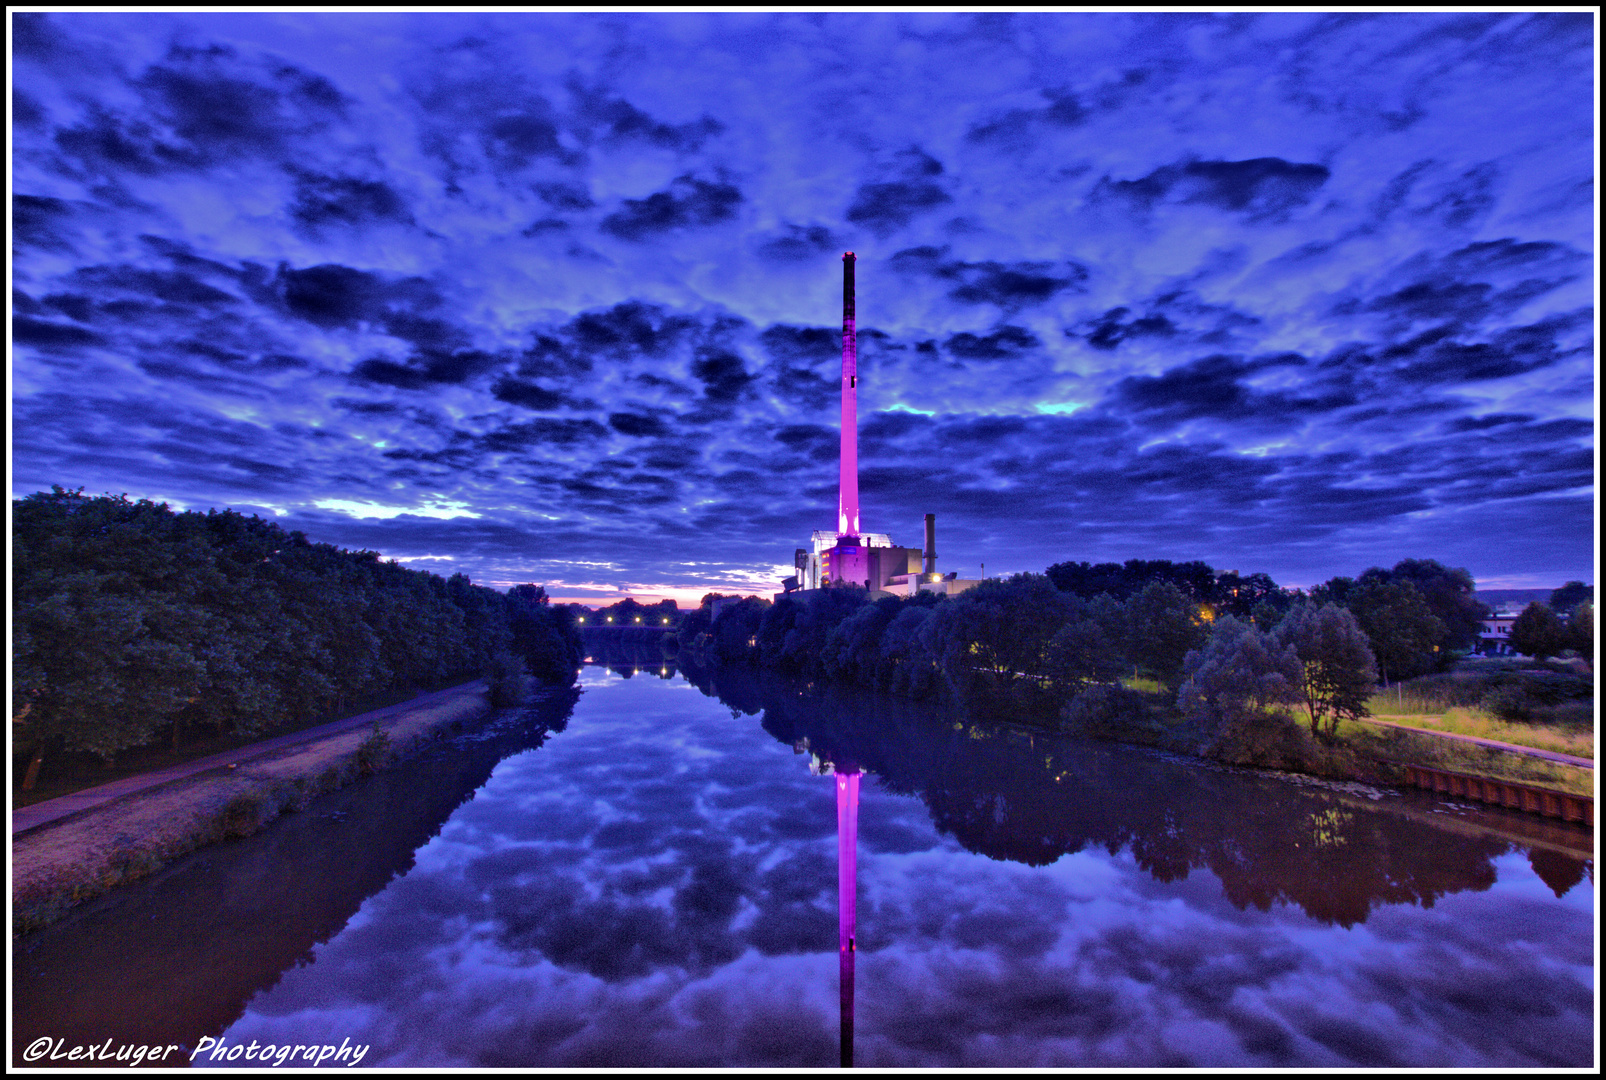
(1558, 804)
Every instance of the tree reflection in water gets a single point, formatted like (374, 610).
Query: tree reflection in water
(1031, 797)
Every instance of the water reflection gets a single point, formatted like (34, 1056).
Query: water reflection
(846, 777)
(652, 889)
(1337, 851)
(175, 957)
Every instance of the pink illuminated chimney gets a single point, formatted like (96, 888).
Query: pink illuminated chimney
(847, 514)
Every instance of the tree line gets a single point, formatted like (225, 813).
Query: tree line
(1233, 652)
(131, 622)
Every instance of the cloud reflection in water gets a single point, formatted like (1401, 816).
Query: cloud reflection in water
(656, 887)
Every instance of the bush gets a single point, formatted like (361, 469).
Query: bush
(243, 814)
(508, 679)
(374, 749)
(1105, 711)
(1264, 740)
(1510, 702)
(1527, 695)
(1580, 714)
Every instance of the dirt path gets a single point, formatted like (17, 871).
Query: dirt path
(1531, 751)
(41, 813)
(96, 839)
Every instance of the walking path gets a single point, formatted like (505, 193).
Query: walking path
(1548, 755)
(40, 813)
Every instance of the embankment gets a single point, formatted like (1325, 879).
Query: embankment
(65, 862)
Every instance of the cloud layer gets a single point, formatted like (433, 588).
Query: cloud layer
(1284, 292)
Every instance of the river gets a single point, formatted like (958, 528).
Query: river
(652, 880)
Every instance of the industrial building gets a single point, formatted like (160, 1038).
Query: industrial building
(848, 555)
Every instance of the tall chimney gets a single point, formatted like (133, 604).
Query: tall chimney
(931, 543)
(847, 514)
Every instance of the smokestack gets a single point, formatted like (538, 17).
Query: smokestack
(931, 543)
(847, 514)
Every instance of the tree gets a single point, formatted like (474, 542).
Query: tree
(1239, 596)
(1162, 627)
(1088, 649)
(853, 647)
(1196, 580)
(1332, 591)
(1569, 596)
(1235, 688)
(1089, 579)
(129, 619)
(1338, 672)
(907, 663)
(1581, 630)
(544, 636)
(1403, 631)
(735, 629)
(1000, 629)
(1449, 595)
(793, 632)
(1538, 633)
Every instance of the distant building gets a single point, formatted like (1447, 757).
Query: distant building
(1495, 640)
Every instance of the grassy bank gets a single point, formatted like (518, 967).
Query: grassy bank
(72, 773)
(64, 863)
(1561, 738)
(1360, 751)
(1387, 749)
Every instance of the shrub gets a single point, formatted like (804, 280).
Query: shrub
(508, 678)
(372, 752)
(243, 814)
(1105, 711)
(1510, 702)
(1525, 695)
(1264, 740)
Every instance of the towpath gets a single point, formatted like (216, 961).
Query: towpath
(41, 813)
(1531, 751)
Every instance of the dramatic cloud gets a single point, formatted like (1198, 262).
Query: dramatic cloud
(1299, 293)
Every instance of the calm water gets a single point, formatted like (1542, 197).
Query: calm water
(656, 885)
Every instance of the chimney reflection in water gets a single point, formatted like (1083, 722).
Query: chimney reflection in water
(847, 863)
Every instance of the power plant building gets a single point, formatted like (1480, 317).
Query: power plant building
(849, 556)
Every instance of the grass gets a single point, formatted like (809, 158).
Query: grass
(1407, 747)
(66, 774)
(55, 867)
(1460, 720)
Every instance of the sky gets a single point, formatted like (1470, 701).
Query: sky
(556, 298)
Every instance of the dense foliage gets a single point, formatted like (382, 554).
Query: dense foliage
(1075, 647)
(1236, 694)
(130, 620)
(1255, 596)
(1337, 671)
(1541, 633)
(1018, 642)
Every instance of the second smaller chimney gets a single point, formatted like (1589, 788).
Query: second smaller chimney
(931, 543)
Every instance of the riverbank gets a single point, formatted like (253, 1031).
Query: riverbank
(1372, 753)
(67, 861)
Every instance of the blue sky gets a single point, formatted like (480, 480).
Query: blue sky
(556, 298)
